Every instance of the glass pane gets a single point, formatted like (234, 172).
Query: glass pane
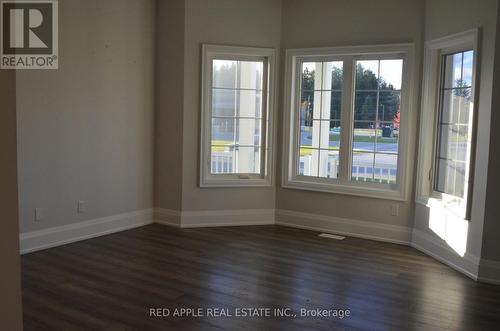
(329, 164)
(462, 144)
(367, 75)
(333, 75)
(247, 160)
(468, 62)
(250, 74)
(386, 168)
(391, 74)
(453, 71)
(449, 103)
(221, 160)
(364, 136)
(465, 106)
(451, 177)
(330, 105)
(330, 135)
(389, 105)
(224, 73)
(453, 142)
(250, 103)
(387, 138)
(248, 132)
(362, 166)
(231, 103)
(310, 135)
(223, 131)
(460, 180)
(456, 105)
(308, 162)
(309, 70)
(306, 133)
(237, 74)
(307, 106)
(446, 150)
(365, 106)
(462, 102)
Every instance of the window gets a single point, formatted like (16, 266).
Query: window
(237, 110)
(447, 132)
(377, 104)
(454, 127)
(320, 103)
(345, 119)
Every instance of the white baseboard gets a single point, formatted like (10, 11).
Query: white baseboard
(212, 218)
(168, 217)
(438, 249)
(60, 235)
(489, 271)
(65, 234)
(348, 227)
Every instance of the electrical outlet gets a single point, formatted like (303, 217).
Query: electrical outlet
(38, 214)
(81, 207)
(394, 210)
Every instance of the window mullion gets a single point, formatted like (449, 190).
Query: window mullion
(346, 120)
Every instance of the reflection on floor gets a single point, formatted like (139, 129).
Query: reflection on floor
(113, 282)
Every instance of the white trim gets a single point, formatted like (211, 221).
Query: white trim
(265, 178)
(193, 219)
(61, 235)
(65, 234)
(343, 226)
(430, 109)
(436, 248)
(343, 185)
(213, 218)
(168, 217)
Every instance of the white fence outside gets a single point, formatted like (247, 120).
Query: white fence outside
(362, 171)
(222, 162)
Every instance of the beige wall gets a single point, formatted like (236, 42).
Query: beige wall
(491, 244)
(342, 23)
(169, 103)
(85, 131)
(441, 21)
(10, 281)
(224, 22)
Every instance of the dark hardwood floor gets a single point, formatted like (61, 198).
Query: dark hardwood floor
(112, 282)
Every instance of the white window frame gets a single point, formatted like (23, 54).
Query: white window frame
(433, 53)
(343, 185)
(219, 52)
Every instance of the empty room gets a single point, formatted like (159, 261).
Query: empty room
(250, 165)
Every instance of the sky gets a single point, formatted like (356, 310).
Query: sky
(390, 70)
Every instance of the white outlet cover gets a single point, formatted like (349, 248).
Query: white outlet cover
(394, 210)
(38, 214)
(81, 206)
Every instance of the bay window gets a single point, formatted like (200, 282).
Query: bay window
(346, 113)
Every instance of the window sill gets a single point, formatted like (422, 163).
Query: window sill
(456, 209)
(376, 191)
(236, 182)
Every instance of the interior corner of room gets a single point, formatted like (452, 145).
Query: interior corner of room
(356, 119)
